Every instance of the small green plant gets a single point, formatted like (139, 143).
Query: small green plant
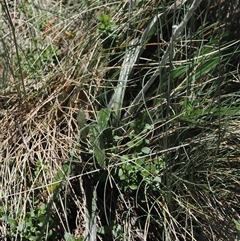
(107, 29)
(138, 170)
(70, 237)
(162, 134)
(36, 221)
(32, 226)
(36, 62)
(106, 26)
(237, 225)
(138, 165)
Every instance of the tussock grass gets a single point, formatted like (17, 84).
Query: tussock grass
(119, 120)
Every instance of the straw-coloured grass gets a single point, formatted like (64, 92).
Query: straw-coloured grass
(119, 120)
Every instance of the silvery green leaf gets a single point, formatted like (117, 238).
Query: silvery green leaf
(82, 124)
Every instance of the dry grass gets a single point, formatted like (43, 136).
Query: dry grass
(198, 196)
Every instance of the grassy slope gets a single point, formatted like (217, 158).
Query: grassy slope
(157, 163)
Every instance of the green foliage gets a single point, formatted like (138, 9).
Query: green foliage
(29, 11)
(82, 125)
(36, 57)
(59, 178)
(32, 225)
(70, 237)
(107, 29)
(35, 61)
(106, 26)
(166, 143)
(37, 222)
(237, 225)
(139, 169)
(99, 133)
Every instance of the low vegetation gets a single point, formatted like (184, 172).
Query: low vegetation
(119, 120)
